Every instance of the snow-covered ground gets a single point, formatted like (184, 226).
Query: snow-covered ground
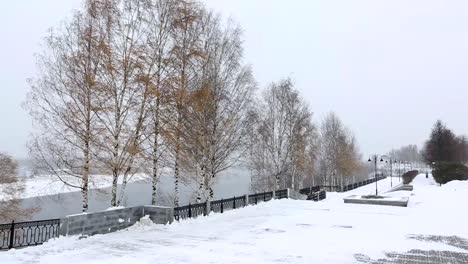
(281, 231)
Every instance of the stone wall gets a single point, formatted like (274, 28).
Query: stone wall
(159, 214)
(112, 220)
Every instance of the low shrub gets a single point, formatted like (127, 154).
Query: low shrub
(444, 172)
(409, 176)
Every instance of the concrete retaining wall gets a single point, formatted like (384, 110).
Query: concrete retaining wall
(112, 220)
(390, 201)
(158, 214)
(401, 187)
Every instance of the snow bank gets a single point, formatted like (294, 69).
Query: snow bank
(144, 224)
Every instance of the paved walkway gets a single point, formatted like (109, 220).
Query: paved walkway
(454, 251)
(418, 256)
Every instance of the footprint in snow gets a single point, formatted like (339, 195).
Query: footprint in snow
(270, 230)
(304, 225)
(342, 226)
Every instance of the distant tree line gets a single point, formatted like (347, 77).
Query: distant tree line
(160, 86)
(409, 153)
(288, 150)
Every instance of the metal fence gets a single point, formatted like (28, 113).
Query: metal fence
(219, 206)
(189, 211)
(260, 197)
(310, 190)
(356, 185)
(345, 188)
(317, 196)
(23, 234)
(315, 193)
(281, 194)
(222, 205)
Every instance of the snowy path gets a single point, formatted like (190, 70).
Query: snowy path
(283, 231)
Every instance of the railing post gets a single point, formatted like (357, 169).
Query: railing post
(190, 210)
(12, 235)
(234, 202)
(264, 196)
(246, 201)
(287, 192)
(274, 195)
(207, 208)
(222, 206)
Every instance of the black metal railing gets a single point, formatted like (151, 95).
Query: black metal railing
(222, 205)
(260, 197)
(356, 185)
(239, 202)
(309, 190)
(345, 188)
(317, 196)
(226, 204)
(23, 234)
(190, 211)
(219, 206)
(281, 194)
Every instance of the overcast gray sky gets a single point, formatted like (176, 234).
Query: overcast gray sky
(388, 68)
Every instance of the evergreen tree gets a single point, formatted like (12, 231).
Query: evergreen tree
(442, 145)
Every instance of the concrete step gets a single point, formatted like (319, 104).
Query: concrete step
(389, 201)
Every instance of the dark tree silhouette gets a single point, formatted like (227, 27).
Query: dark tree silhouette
(442, 145)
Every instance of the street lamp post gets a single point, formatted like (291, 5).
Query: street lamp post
(400, 170)
(398, 162)
(390, 162)
(391, 173)
(375, 172)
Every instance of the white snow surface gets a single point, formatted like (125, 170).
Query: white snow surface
(280, 231)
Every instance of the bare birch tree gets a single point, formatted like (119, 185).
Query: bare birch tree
(217, 124)
(282, 133)
(185, 53)
(61, 101)
(339, 154)
(125, 92)
(156, 54)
